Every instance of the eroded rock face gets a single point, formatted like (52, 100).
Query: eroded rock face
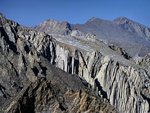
(56, 100)
(29, 54)
(28, 81)
(145, 62)
(120, 82)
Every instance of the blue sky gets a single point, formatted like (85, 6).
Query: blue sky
(33, 12)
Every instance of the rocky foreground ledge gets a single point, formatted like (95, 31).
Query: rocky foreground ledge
(98, 79)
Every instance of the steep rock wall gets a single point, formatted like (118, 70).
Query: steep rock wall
(30, 84)
(125, 86)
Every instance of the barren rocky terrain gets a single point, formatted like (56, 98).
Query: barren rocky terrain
(68, 71)
(133, 37)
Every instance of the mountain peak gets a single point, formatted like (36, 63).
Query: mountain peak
(54, 27)
(2, 18)
(122, 20)
(92, 19)
(52, 22)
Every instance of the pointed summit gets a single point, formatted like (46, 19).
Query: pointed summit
(121, 20)
(133, 27)
(94, 19)
(2, 18)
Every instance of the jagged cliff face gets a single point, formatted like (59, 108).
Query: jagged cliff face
(120, 81)
(28, 81)
(27, 55)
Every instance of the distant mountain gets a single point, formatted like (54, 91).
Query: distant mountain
(133, 37)
(133, 27)
(54, 27)
(118, 33)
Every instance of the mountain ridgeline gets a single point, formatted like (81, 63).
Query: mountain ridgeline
(133, 37)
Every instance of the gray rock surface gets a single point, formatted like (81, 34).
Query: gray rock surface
(133, 27)
(117, 78)
(54, 27)
(29, 83)
(28, 55)
(133, 37)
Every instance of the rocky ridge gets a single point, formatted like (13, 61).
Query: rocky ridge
(105, 68)
(30, 83)
(133, 27)
(123, 32)
(54, 27)
(114, 77)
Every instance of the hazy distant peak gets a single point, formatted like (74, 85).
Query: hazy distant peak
(54, 27)
(51, 21)
(94, 19)
(125, 20)
(122, 20)
(133, 27)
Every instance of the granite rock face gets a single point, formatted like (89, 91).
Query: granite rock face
(28, 68)
(117, 79)
(145, 62)
(29, 83)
